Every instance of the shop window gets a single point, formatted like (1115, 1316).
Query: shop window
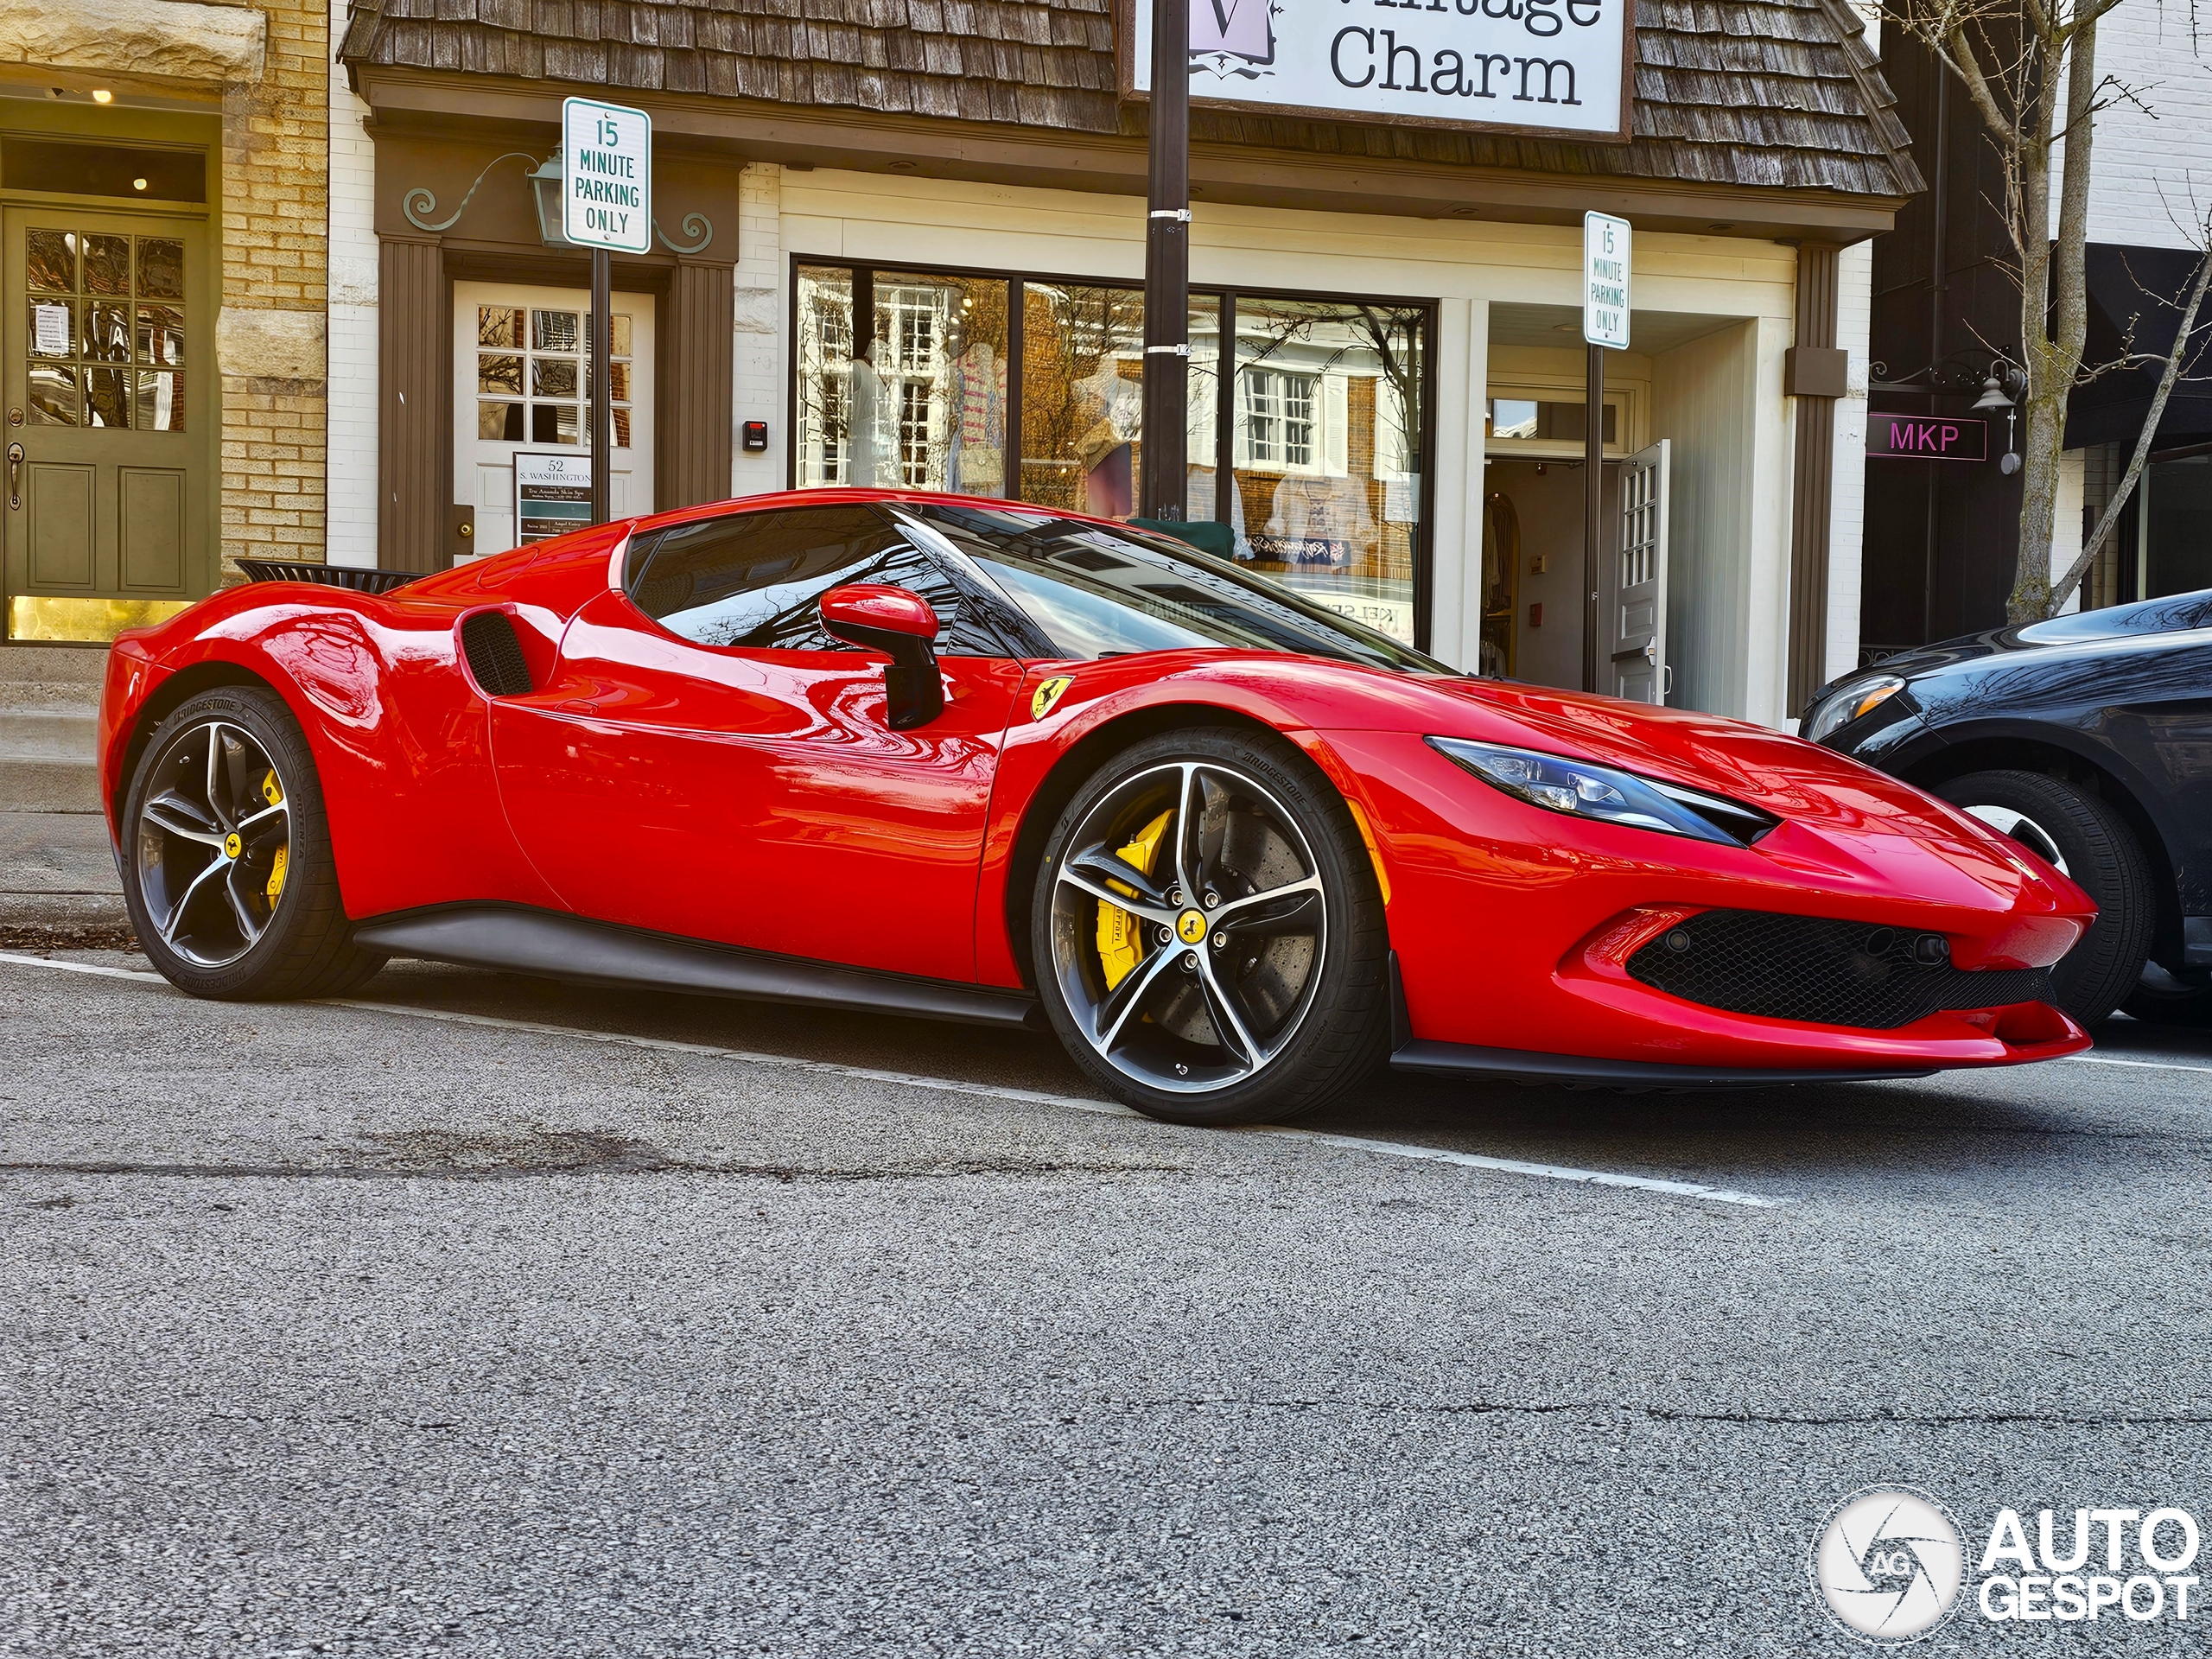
(105, 342)
(1320, 425)
(1327, 447)
(920, 403)
(2176, 516)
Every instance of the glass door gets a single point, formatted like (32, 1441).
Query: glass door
(521, 376)
(106, 341)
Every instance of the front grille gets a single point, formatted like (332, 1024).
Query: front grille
(495, 654)
(1822, 972)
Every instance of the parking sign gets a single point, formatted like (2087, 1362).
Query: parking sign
(606, 175)
(1605, 280)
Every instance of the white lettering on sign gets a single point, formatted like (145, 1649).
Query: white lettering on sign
(1605, 257)
(607, 169)
(1536, 65)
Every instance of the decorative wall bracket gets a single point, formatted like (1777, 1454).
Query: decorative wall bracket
(419, 200)
(696, 225)
(544, 180)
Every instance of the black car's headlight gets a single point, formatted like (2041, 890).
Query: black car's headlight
(1581, 790)
(1847, 702)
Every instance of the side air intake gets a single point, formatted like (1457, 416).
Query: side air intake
(495, 654)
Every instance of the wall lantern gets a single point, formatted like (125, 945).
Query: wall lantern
(545, 186)
(1993, 399)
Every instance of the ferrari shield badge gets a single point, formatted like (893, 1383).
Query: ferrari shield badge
(1048, 693)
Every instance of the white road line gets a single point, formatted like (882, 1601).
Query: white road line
(2146, 1066)
(983, 1091)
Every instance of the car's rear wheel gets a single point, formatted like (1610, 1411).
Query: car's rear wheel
(1207, 932)
(2160, 998)
(227, 868)
(2070, 829)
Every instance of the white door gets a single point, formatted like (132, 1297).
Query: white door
(520, 368)
(1634, 599)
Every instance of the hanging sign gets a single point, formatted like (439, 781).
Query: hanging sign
(607, 173)
(552, 493)
(1605, 280)
(1557, 68)
(1928, 437)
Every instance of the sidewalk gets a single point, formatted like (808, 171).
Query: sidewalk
(56, 871)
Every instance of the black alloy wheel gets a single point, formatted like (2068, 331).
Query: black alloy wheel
(2083, 838)
(1207, 932)
(227, 868)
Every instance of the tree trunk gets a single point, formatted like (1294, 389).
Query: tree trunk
(2054, 305)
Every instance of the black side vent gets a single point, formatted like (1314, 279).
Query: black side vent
(495, 654)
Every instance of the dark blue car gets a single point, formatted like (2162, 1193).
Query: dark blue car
(2089, 740)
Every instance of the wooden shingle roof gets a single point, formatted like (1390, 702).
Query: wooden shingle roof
(1778, 93)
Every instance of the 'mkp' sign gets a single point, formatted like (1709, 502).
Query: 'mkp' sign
(1928, 437)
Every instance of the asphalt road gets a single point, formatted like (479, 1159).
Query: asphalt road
(409, 1328)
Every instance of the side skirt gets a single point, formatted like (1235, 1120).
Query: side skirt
(570, 948)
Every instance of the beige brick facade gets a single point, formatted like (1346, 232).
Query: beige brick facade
(272, 338)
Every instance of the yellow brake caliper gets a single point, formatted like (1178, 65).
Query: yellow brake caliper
(273, 792)
(1118, 931)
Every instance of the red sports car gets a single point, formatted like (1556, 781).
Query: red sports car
(968, 758)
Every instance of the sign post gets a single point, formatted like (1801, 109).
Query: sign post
(1605, 248)
(1164, 488)
(606, 175)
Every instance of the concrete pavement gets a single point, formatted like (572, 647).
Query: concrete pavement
(355, 1329)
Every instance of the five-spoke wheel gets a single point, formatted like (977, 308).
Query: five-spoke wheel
(214, 839)
(1208, 943)
(227, 854)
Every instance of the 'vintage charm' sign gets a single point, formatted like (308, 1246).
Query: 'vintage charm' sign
(1556, 67)
(1928, 437)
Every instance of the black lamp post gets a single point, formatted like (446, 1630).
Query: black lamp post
(1167, 269)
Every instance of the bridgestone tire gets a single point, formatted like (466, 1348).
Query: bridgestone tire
(1341, 1037)
(2103, 858)
(306, 949)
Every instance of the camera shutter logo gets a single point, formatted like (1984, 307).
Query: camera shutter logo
(1888, 1563)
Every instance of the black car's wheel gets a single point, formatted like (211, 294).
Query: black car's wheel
(227, 869)
(2159, 999)
(1207, 934)
(2085, 839)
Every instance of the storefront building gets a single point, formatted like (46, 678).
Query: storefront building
(162, 170)
(910, 253)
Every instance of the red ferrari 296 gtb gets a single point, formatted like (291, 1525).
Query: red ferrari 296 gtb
(982, 761)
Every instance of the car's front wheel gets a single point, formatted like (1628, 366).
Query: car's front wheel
(226, 861)
(1207, 932)
(2084, 839)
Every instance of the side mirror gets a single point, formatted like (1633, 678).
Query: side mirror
(901, 625)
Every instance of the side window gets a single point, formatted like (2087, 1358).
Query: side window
(754, 579)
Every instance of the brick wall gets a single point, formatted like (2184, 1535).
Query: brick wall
(271, 333)
(2151, 158)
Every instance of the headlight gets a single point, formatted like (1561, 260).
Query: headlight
(1583, 791)
(1849, 700)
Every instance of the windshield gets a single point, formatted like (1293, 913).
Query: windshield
(1101, 591)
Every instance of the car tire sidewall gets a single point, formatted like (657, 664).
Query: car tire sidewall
(1342, 1035)
(2104, 860)
(310, 876)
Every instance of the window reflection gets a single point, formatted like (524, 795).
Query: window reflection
(1319, 420)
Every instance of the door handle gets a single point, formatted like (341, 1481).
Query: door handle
(1651, 652)
(15, 476)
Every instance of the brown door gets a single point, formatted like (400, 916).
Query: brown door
(105, 339)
